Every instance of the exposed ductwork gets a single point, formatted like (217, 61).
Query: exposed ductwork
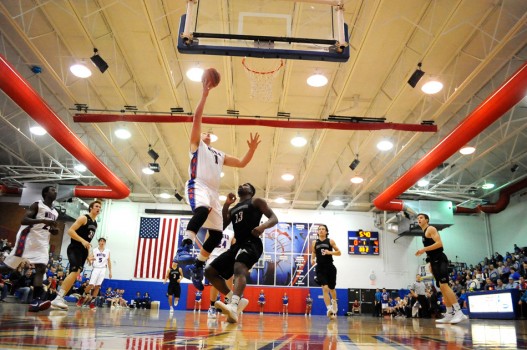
(501, 203)
(496, 105)
(237, 120)
(19, 90)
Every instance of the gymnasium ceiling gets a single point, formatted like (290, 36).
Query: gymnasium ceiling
(471, 46)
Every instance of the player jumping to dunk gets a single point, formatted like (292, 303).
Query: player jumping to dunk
(202, 189)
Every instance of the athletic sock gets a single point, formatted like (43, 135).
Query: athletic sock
(449, 309)
(235, 299)
(229, 295)
(61, 293)
(202, 258)
(456, 307)
(37, 292)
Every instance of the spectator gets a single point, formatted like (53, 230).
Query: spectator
(418, 292)
(523, 305)
(3, 289)
(489, 285)
(377, 310)
(138, 300)
(493, 274)
(511, 284)
(463, 298)
(522, 284)
(355, 307)
(147, 301)
(500, 285)
(24, 289)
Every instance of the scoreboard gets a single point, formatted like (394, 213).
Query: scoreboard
(363, 243)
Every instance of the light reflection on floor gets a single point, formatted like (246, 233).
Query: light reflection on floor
(145, 329)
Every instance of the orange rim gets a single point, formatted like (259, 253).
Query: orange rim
(263, 73)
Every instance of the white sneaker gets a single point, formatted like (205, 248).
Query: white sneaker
(59, 303)
(211, 314)
(329, 313)
(448, 317)
(171, 309)
(242, 304)
(229, 310)
(334, 306)
(458, 317)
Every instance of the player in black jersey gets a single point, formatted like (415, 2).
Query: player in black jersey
(433, 247)
(175, 274)
(81, 232)
(242, 255)
(322, 252)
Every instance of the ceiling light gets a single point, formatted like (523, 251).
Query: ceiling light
(416, 76)
(155, 167)
(165, 195)
(317, 80)
(423, 183)
(223, 198)
(288, 177)
(98, 61)
(280, 200)
(195, 74)
(80, 70)
(384, 145)
(38, 130)
(213, 138)
(122, 133)
(467, 150)
(337, 203)
(80, 168)
(147, 171)
(298, 141)
(487, 186)
(357, 180)
(432, 87)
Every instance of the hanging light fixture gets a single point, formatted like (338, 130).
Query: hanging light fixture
(80, 70)
(432, 86)
(298, 141)
(195, 74)
(38, 130)
(357, 179)
(467, 150)
(317, 80)
(384, 145)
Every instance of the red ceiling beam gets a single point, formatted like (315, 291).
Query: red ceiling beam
(496, 105)
(21, 92)
(273, 123)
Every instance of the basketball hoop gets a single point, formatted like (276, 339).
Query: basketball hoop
(262, 80)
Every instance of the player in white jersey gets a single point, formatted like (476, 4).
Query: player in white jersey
(226, 242)
(202, 188)
(100, 260)
(32, 243)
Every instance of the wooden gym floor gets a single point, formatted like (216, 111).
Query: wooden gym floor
(104, 328)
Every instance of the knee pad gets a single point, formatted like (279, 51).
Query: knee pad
(75, 269)
(198, 219)
(213, 241)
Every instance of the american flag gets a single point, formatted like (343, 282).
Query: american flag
(155, 247)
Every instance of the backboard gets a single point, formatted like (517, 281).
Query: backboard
(313, 30)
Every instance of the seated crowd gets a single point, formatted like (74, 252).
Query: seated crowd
(19, 283)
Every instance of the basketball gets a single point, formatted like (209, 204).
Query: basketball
(211, 75)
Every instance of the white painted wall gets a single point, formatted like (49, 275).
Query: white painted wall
(394, 268)
(510, 226)
(467, 239)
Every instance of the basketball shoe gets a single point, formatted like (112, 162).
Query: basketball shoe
(196, 274)
(59, 303)
(229, 310)
(39, 305)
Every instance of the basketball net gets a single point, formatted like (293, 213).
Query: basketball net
(261, 76)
